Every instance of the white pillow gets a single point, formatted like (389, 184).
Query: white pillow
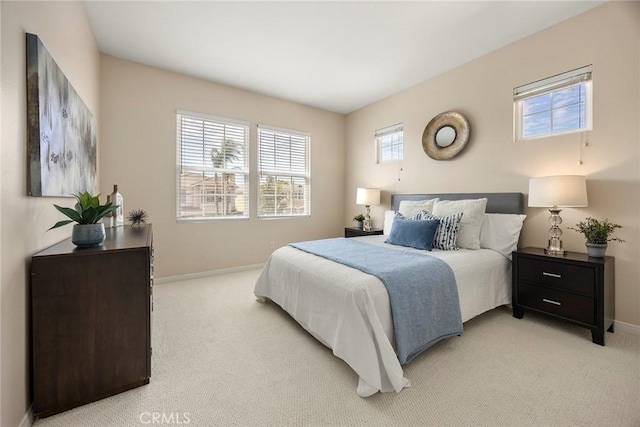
(410, 208)
(388, 222)
(472, 216)
(501, 232)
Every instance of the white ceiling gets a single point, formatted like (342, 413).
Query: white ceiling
(334, 55)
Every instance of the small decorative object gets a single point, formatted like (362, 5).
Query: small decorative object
(117, 198)
(597, 233)
(87, 212)
(445, 136)
(367, 197)
(137, 217)
(359, 220)
(554, 192)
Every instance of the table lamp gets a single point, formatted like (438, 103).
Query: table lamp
(554, 192)
(367, 197)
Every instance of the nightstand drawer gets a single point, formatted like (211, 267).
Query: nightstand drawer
(558, 275)
(572, 306)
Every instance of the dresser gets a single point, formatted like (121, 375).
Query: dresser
(574, 287)
(91, 319)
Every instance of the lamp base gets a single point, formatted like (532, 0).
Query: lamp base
(555, 248)
(367, 219)
(555, 244)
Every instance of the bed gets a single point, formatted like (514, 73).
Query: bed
(349, 310)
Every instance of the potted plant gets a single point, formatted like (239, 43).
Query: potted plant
(359, 220)
(87, 213)
(597, 233)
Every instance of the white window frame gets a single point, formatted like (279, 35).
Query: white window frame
(579, 76)
(265, 170)
(394, 135)
(180, 166)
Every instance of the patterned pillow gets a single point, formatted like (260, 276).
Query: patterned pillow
(447, 233)
(474, 209)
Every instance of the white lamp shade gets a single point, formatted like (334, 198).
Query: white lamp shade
(564, 191)
(368, 196)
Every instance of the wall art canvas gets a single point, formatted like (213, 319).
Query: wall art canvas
(62, 139)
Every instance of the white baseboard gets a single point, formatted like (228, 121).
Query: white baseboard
(626, 327)
(206, 273)
(27, 420)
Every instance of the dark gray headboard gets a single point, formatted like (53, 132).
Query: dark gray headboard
(507, 203)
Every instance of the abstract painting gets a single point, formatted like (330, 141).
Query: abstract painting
(62, 141)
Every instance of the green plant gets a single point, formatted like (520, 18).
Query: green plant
(596, 231)
(87, 210)
(358, 217)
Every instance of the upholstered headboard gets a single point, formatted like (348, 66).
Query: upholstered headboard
(506, 203)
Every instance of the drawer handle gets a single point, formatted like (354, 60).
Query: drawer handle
(551, 301)
(557, 276)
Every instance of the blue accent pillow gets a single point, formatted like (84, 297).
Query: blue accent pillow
(413, 234)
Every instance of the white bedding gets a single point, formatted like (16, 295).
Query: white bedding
(348, 310)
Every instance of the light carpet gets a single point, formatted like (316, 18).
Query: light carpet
(221, 358)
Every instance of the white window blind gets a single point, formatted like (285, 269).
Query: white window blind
(553, 106)
(212, 167)
(283, 173)
(389, 143)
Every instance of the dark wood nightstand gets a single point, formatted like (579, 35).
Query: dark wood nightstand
(574, 287)
(355, 232)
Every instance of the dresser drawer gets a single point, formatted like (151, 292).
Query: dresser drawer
(558, 275)
(572, 306)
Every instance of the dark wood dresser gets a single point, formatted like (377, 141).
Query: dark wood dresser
(574, 287)
(91, 319)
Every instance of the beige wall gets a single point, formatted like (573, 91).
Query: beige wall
(64, 30)
(606, 37)
(138, 152)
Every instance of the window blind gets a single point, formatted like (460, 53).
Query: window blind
(212, 167)
(283, 172)
(570, 78)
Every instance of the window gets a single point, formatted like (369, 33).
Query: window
(213, 167)
(553, 106)
(283, 173)
(389, 143)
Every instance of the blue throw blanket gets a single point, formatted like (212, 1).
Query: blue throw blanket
(422, 290)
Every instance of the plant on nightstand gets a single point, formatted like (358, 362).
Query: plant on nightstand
(87, 212)
(359, 220)
(597, 233)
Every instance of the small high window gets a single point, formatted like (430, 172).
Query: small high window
(389, 143)
(553, 106)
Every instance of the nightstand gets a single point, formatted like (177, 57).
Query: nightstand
(355, 232)
(574, 287)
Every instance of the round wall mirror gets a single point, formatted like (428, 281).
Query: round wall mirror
(445, 136)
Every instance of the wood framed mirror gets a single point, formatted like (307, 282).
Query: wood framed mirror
(445, 136)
